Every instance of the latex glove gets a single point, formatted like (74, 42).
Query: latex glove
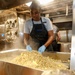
(42, 49)
(28, 47)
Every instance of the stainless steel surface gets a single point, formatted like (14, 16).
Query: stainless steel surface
(12, 69)
(10, 37)
(8, 55)
(65, 47)
(9, 26)
(72, 64)
(12, 45)
(2, 28)
(69, 35)
(7, 68)
(2, 32)
(63, 34)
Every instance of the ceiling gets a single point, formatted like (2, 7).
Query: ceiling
(59, 7)
(55, 8)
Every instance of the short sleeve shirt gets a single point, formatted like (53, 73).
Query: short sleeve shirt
(29, 25)
(55, 29)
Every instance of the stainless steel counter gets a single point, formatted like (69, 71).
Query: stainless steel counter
(8, 68)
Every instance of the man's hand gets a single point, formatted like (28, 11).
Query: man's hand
(42, 49)
(28, 47)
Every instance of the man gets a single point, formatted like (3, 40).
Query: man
(56, 36)
(39, 28)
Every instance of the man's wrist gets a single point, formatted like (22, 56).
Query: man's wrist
(45, 45)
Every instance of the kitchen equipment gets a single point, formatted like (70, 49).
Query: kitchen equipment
(8, 26)
(65, 35)
(7, 68)
(72, 66)
(65, 47)
(2, 32)
(69, 35)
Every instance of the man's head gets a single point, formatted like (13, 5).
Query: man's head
(51, 20)
(35, 11)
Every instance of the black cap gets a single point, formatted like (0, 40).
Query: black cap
(51, 19)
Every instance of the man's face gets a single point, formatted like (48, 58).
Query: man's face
(35, 13)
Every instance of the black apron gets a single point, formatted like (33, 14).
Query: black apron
(39, 33)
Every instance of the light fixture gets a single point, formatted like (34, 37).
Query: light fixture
(44, 2)
(28, 4)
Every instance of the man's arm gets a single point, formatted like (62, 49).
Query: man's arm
(58, 36)
(26, 42)
(50, 38)
(26, 39)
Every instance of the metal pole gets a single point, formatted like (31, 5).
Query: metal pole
(72, 62)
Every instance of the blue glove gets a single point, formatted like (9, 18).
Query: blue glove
(42, 49)
(28, 47)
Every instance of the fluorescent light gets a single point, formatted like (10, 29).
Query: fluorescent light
(28, 4)
(43, 2)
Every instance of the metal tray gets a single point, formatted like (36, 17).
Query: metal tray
(7, 68)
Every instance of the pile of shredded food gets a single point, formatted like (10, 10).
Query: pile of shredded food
(34, 59)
